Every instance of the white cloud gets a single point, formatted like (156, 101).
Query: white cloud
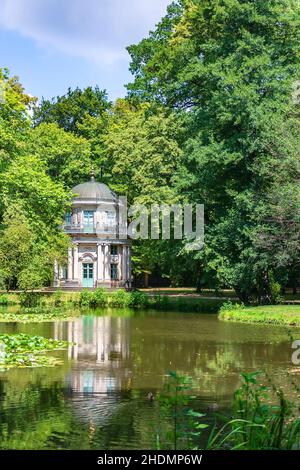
(97, 30)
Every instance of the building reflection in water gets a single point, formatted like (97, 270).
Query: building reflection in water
(100, 347)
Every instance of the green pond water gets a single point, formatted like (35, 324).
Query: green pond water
(97, 399)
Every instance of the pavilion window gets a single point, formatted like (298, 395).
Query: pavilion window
(111, 219)
(68, 218)
(114, 272)
(88, 221)
(113, 249)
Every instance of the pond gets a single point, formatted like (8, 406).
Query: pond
(97, 399)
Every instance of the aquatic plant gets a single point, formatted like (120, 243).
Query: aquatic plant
(174, 402)
(22, 350)
(38, 314)
(262, 418)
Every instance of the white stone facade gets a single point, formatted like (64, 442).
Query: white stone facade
(97, 257)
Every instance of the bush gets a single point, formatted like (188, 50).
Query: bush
(138, 299)
(120, 298)
(275, 289)
(3, 299)
(99, 298)
(30, 299)
(86, 298)
(57, 298)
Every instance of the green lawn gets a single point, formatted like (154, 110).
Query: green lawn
(272, 314)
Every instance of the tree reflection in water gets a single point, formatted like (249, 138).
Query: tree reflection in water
(98, 397)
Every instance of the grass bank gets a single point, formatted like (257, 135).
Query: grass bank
(98, 298)
(266, 314)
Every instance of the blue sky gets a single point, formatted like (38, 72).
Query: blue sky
(54, 44)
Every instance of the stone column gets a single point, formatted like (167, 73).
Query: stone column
(75, 257)
(124, 262)
(100, 263)
(70, 264)
(106, 263)
(129, 264)
(119, 263)
(56, 275)
(80, 214)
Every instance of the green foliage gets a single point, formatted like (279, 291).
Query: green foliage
(97, 298)
(138, 299)
(120, 298)
(260, 424)
(144, 153)
(227, 70)
(3, 299)
(38, 314)
(69, 110)
(268, 314)
(86, 298)
(228, 305)
(30, 299)
(175, 403)
(67, 157)
(14, 119)
(22, 350)
(57, 297)
(209, 119)
(262, 419)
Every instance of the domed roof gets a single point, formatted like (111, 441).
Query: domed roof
(93, 190)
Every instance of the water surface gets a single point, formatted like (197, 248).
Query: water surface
(97, 399)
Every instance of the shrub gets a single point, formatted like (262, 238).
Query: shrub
(3, 299)
(86, 298)
(120, 298)
(57, 298)
(30, 299)
(138, 299)
(99, 298)
(275, 289)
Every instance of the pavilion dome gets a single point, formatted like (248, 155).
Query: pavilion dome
(93, 190)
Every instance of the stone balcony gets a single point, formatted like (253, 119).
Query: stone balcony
(107, 230)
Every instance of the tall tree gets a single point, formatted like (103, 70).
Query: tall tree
(228, 67)
(67, 157)
(69, 110)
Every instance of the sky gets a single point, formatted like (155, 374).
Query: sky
(55, 44)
